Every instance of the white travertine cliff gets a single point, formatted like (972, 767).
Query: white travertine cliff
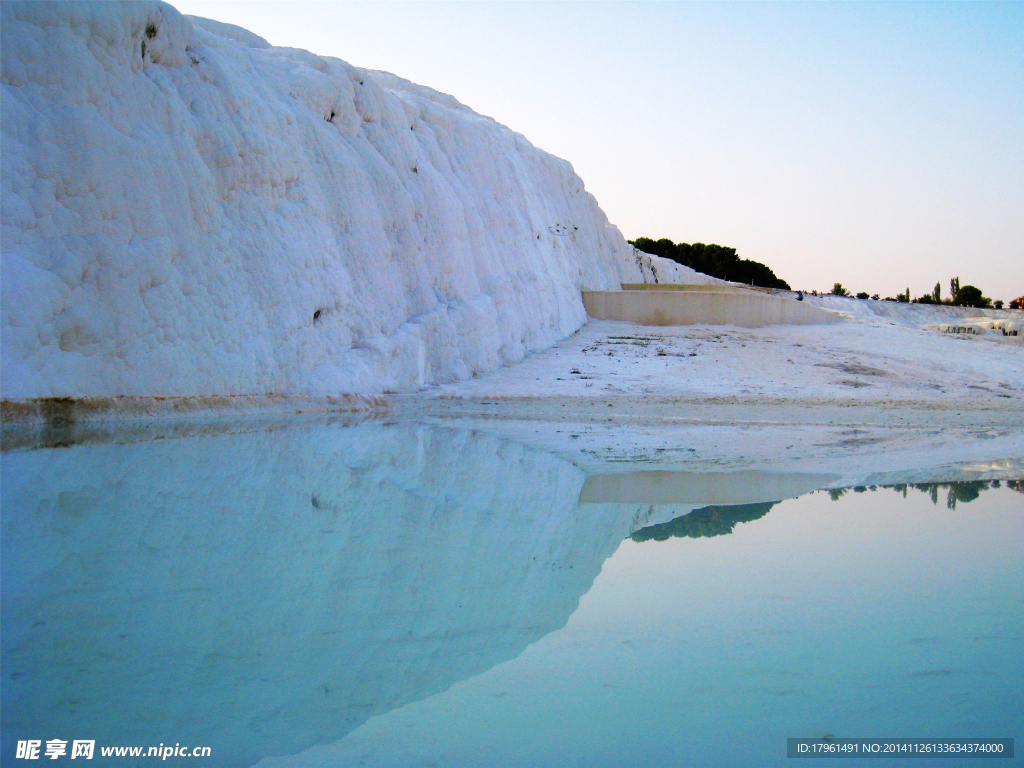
(187, 210)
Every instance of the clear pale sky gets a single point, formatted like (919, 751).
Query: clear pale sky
(879, 145)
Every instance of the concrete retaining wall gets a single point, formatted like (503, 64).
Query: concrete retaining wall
(718, 285)
(680, 306)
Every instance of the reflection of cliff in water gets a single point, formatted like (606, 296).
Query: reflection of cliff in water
(261, 593)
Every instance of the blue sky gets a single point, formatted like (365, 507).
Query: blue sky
(876, 144)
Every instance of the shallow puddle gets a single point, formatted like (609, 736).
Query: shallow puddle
(398, 595)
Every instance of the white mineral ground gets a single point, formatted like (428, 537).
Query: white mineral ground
(874, 395)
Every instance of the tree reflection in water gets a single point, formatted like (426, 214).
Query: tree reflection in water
(720, 520)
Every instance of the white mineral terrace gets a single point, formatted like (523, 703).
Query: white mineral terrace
(190, 212)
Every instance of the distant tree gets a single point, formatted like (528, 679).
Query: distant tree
(874, 297)
(715, 260)
(926, 299)
(903, 298)
(954, 286)
(932, 489)
(998, 303)
(966, 491)
(838, 290)
(1017, 303)
(862, 295)
(937, 293)
(969, 296)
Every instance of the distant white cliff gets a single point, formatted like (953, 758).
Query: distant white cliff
(187, 210)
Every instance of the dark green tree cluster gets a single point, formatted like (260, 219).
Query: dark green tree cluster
(969, 296)
(707, 521)
(714, 260)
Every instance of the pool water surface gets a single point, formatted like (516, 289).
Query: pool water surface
(400, 596)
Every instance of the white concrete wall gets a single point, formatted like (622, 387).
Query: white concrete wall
(750, 309)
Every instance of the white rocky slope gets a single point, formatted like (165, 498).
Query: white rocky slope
(187, 210)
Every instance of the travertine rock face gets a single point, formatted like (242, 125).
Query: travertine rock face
(187, 210)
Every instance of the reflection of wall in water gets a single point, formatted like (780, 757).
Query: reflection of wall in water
(261, 593)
